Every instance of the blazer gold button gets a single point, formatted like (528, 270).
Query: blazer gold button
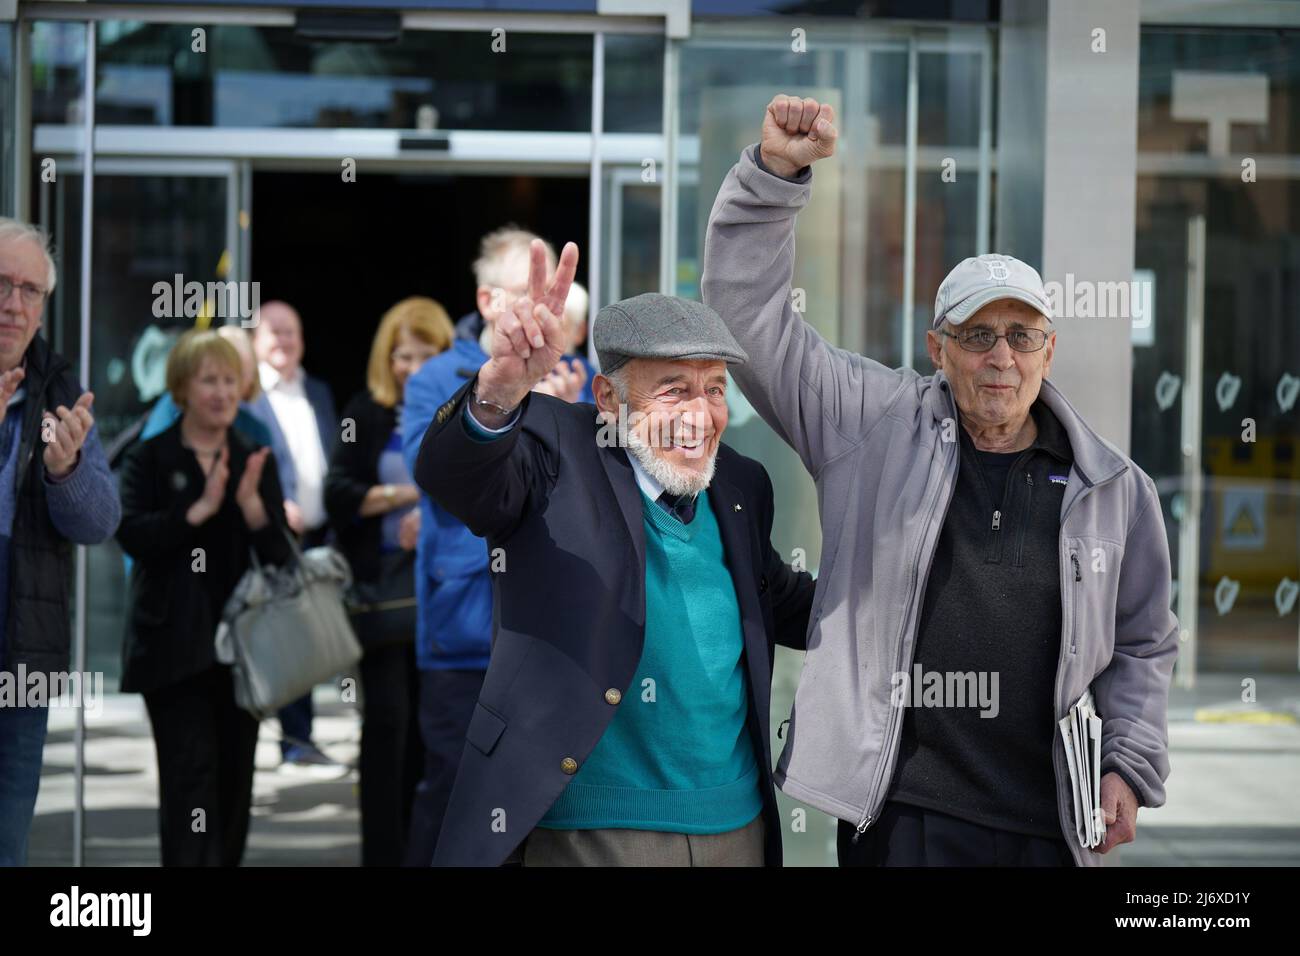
(569, 765)
(613, 696)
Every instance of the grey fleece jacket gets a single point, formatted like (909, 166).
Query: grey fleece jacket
(880, 445)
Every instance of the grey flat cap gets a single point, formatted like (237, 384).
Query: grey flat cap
(979, 280)
(658, 326)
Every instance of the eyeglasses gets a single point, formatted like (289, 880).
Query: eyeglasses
(981, 340)
(32, 295)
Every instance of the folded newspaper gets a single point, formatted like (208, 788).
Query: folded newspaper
(1081, 731)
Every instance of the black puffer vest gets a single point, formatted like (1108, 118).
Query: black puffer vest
(38, 619)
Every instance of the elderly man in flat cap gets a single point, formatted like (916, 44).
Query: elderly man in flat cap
(974, 525)
(624, 717)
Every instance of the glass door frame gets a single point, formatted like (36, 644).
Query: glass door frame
(235, 241)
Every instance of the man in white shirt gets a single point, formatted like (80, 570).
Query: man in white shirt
(302, 411)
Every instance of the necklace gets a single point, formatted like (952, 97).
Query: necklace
(201, 453)
(205, 453)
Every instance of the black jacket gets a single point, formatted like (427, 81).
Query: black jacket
(569, 610)
(38, 624)
(354, 470)
(173, 609)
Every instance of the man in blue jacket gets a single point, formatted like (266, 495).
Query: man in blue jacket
(453, 583)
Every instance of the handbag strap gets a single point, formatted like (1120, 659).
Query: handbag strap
(293, 546)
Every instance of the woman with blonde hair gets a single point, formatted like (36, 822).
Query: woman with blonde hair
(254, 409)
(195, 499)
(247, 420)
(371, 501)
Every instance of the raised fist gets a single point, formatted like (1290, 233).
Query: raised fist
(796, 133)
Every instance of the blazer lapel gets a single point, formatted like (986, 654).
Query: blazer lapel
(623, 482)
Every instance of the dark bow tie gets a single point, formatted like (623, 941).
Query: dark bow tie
(681, 507)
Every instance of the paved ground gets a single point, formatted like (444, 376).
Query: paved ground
(1234, 793)
(1233, 790)
(295, 822)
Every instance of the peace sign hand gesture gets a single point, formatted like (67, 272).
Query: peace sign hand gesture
(528, 341)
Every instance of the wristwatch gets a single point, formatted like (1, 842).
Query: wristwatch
(499, 409)
(390, 495)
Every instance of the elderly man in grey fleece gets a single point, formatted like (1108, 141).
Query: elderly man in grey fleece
(56, 490)
(973, 525)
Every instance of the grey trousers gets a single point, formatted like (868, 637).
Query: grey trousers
(742, 847)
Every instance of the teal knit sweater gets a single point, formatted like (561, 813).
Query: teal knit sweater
(677, 755)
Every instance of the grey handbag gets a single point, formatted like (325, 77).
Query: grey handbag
(285, 630)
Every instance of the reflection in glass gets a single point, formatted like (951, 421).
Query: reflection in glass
(58, 71)
(150, 74)
(1249, 531)
(634, 83)
(148, 228)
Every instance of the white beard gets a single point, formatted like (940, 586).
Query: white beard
(675, 480)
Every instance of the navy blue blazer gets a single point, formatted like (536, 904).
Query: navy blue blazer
(569, 608)
(321, 400)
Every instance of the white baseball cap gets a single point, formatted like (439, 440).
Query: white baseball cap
(979, 280)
